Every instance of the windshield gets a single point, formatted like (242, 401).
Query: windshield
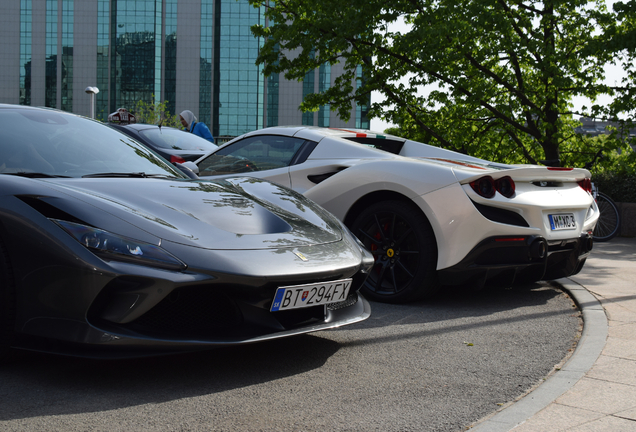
(58, 144)
(170, 138)
(255, 153)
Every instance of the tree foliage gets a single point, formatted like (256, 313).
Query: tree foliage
(156, 112)
(502, 73)
(618, 43)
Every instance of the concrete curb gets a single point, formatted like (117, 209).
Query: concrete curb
(589, 348)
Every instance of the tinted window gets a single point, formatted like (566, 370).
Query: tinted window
(169, 138)
(255, 153)
(388, 145)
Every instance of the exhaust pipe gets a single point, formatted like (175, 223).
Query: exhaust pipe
(538, 249)
(587, 243)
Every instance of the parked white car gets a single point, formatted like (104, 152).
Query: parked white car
(431, 217)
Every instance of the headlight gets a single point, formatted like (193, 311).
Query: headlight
(114, 247)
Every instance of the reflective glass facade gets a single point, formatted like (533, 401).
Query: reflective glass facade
(362, 118)
(50, 99)
(128, 49)
(238, 83)
(324, 82)
(273, 86)
(205, 66)
(67, 55)
(103, 49)
(170, 56)
(308, 88)
(135, 61)
(273, 83)
(26, 18)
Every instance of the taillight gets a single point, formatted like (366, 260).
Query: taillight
(505, 186)
(559, 169)
(586, 185)
(486, 186)
(176, 159)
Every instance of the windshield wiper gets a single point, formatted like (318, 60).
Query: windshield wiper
(35, 175)
(117, 174)
(125, 175)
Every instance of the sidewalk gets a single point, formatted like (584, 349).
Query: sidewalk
(596, 389)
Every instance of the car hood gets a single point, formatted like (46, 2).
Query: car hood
(234, 213)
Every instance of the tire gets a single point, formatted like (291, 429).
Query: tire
(609, 222)
(403, 244)
(7, 306)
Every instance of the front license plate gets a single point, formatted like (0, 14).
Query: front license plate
(300, 296)
(562, 221)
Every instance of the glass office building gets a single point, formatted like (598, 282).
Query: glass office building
(194, 54)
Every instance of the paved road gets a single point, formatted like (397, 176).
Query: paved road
(433, 366)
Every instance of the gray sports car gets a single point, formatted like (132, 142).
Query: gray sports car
(105, 245)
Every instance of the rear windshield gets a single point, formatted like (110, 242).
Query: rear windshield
(170, 138)
(387, 145)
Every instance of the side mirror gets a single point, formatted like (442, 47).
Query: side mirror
(191, 166)
(186, 170)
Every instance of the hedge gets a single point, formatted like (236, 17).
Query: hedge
(621, 187)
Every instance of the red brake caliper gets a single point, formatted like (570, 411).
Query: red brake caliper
(374, 247)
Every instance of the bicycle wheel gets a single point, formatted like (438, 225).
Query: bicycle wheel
(609, 222)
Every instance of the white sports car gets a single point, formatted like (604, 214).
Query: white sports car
(431, 217)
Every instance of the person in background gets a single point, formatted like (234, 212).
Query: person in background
(189, 122)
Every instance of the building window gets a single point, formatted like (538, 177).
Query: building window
(103, 37)
(324, 82)
(67, 55)
(308, 88)
(25, 52)
(205, 65)
(50, 96)
(238, 82)
(170, 57)
(135, 61)
(362, 110)
(272, 99)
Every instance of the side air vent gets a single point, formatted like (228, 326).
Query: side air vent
(318, 178)
(500, 215)
(46, 209)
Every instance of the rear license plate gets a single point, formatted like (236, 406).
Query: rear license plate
(300, 296)
(562, 221)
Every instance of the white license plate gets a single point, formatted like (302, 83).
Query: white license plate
(562, 221)
(300, 296)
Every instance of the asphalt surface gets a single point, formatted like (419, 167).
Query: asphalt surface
(440, 365)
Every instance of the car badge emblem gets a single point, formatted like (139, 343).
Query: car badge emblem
(390, 253)
(301, 256)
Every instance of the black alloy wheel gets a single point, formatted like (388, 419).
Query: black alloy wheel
(7, 306)
(403, 244)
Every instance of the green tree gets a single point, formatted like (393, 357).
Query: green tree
(503, 72)
(618, 43)
(154, 112)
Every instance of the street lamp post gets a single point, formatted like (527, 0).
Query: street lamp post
(92, 91)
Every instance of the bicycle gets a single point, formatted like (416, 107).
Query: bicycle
(609, 221)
